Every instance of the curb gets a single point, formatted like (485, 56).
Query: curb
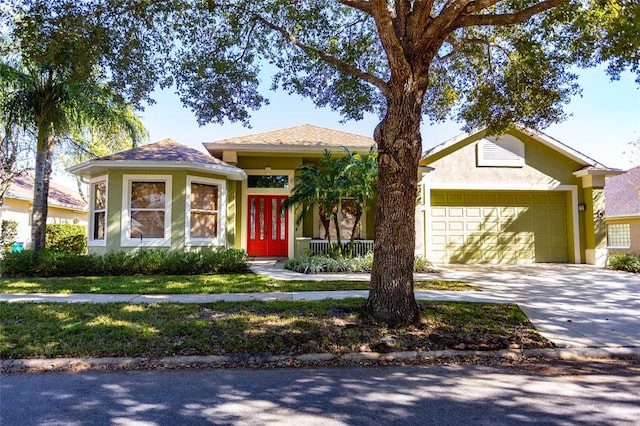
(218, 361)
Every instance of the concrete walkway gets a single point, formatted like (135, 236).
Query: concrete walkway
(572, 305)
(575, 306)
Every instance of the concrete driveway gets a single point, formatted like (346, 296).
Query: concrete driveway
(572, 305)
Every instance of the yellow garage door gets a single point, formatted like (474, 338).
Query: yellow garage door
(498, 227)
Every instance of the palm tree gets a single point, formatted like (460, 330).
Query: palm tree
(327, 183)
(360, 175)
(318, 185)
(52, 104)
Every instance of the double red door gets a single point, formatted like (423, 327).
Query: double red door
(268, 230)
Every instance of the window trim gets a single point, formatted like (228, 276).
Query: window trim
(91, 242)
(628, 236)
(125, 229)
(221, 235)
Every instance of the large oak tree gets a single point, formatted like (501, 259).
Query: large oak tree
(484, 62)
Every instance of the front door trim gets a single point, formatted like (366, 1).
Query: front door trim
(246, 191)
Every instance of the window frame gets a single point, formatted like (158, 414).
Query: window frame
(320, 229)
(618, 235)
(91, 241)
(125, 230)
(220, 238)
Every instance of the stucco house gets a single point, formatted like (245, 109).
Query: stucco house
(524, 197)
(65, 206)
(622, 212)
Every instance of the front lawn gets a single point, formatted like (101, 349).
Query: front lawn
(192, 284)
(279, 328)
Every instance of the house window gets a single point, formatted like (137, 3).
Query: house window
(146, 210)
(346, 219)
(98, 212)
(205, 219)
(268, 181)
(618, 235)
(506, 151)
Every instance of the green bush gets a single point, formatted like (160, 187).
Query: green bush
(8, 234)
(625, 262)
(48, 263)
(66, 238)
(315, 263)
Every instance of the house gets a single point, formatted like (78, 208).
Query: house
(622, 212)
(161, 195)
(270, 160)
(65, 206)
(523, 197)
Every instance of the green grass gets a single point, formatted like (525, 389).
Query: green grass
(290, 328)
(191, 284)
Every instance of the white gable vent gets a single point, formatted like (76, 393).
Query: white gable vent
(506, 151)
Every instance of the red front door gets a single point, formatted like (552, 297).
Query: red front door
(268, 230)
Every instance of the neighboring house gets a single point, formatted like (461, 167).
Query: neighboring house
(65, 206)
(622, 212)
(524, 197)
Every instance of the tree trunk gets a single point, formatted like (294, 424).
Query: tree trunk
(354, 228)
(336, 223)
(40, 207)
(391, 298)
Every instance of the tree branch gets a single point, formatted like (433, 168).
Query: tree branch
(507, 18)
(330, 59)
(362, 5)
(398, 63)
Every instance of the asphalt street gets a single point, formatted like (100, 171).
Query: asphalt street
(442, 395)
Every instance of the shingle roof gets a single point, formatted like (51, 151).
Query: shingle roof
(165, 154)
(622, 194)
(306, 135)
(60, 196)
(164, 150)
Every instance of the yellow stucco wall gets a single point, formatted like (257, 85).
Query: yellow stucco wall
(19, 210)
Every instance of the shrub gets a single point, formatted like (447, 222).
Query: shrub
(625, 262)
(315, 263)
(8, 234)
(47, 263)
(66, 238)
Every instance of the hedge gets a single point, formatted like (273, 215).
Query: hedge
(48, 263)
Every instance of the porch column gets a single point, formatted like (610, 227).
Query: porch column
(593, 181)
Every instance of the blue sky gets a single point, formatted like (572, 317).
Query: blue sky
(601, 125)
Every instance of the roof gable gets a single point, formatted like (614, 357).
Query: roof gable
(298, 138)
(622, 194)
(464, 139)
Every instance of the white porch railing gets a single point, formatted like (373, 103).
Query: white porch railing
(360, 247)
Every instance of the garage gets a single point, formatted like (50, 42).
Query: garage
(498, 226)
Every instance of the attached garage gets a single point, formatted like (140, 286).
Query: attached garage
(498, 226)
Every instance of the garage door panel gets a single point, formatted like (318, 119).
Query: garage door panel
(505, 227)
